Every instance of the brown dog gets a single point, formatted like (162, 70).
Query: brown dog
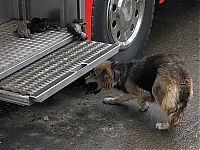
(159, 78)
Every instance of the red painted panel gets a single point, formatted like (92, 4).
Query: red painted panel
(88, 17)
(161, 1)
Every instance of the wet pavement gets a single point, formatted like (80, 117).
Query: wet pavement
(71, 120)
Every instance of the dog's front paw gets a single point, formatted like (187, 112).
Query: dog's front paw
(162, 126)
(109, 100)
(144, 106)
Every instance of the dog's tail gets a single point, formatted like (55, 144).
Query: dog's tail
(185, 95)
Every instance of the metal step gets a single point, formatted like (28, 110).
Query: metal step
(16, 53)
(41, 79)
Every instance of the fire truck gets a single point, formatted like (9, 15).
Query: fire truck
(33, 69)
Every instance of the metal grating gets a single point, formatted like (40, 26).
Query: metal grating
(15, 53)
(37, 76)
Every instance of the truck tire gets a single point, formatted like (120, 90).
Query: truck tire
(126, 22)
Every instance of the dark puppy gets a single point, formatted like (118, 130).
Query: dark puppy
(160, 78)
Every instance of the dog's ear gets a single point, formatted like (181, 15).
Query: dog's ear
(96, 71)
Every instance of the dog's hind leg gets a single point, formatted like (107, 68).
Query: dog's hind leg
(174, 104)
(116, 100)
(166, 93)
(144, 106)
(173, 119)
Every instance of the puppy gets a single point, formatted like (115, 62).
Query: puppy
(160, 78)
(22, 30)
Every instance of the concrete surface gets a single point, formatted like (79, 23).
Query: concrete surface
(72, 121)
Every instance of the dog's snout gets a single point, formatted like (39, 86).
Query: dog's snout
(106, 77)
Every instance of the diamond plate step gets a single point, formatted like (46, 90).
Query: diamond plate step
(16, 53)
(43, 78)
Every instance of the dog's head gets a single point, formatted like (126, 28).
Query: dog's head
(103, 75)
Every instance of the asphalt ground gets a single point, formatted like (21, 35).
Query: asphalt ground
(71, 120)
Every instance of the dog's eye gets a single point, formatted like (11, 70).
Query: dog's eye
(104, 71)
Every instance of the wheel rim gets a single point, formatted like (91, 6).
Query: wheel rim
(124, 18)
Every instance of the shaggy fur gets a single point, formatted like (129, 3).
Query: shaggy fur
(160, 78)
(22, 30)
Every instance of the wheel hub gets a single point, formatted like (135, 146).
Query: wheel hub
(124, 19)
(125, 11)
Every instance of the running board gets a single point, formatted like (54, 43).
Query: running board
(16, 53)
(46, 76)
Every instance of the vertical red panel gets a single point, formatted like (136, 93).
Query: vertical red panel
(161, 1)
(88, 17)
